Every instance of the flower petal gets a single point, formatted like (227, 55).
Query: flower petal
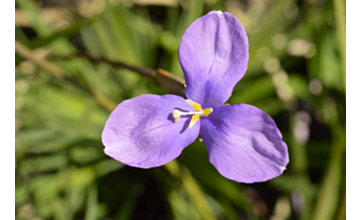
(213, 54)
(244, 143)
(142, 132)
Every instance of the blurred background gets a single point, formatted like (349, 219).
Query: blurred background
(70, 74)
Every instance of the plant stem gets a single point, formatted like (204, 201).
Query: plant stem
(339, 9)
(55, 71)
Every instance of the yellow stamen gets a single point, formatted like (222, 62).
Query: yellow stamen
(194, 119)
(207, 111)
(195, 115)
(193, 104)
(176, 114)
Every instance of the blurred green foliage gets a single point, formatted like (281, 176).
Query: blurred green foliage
(296, 74)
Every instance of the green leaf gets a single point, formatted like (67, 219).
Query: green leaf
(252, 91)
(43, 141)
(300, 86)
(327, 201)
(43, 163)
(330, 68)
(108, 165)
(91, 212)
(85, 155)
(67, 32)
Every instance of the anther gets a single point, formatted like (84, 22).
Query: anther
(195, 115)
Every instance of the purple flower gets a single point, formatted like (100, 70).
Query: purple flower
(243, 142)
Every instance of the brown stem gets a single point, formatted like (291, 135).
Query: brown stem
(55, 71)
(140, 70)
(169, 82)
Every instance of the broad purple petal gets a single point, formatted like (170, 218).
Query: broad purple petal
(244, 143)
(213, 54)
(141, 132)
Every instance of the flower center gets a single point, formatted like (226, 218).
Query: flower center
(199, 112)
